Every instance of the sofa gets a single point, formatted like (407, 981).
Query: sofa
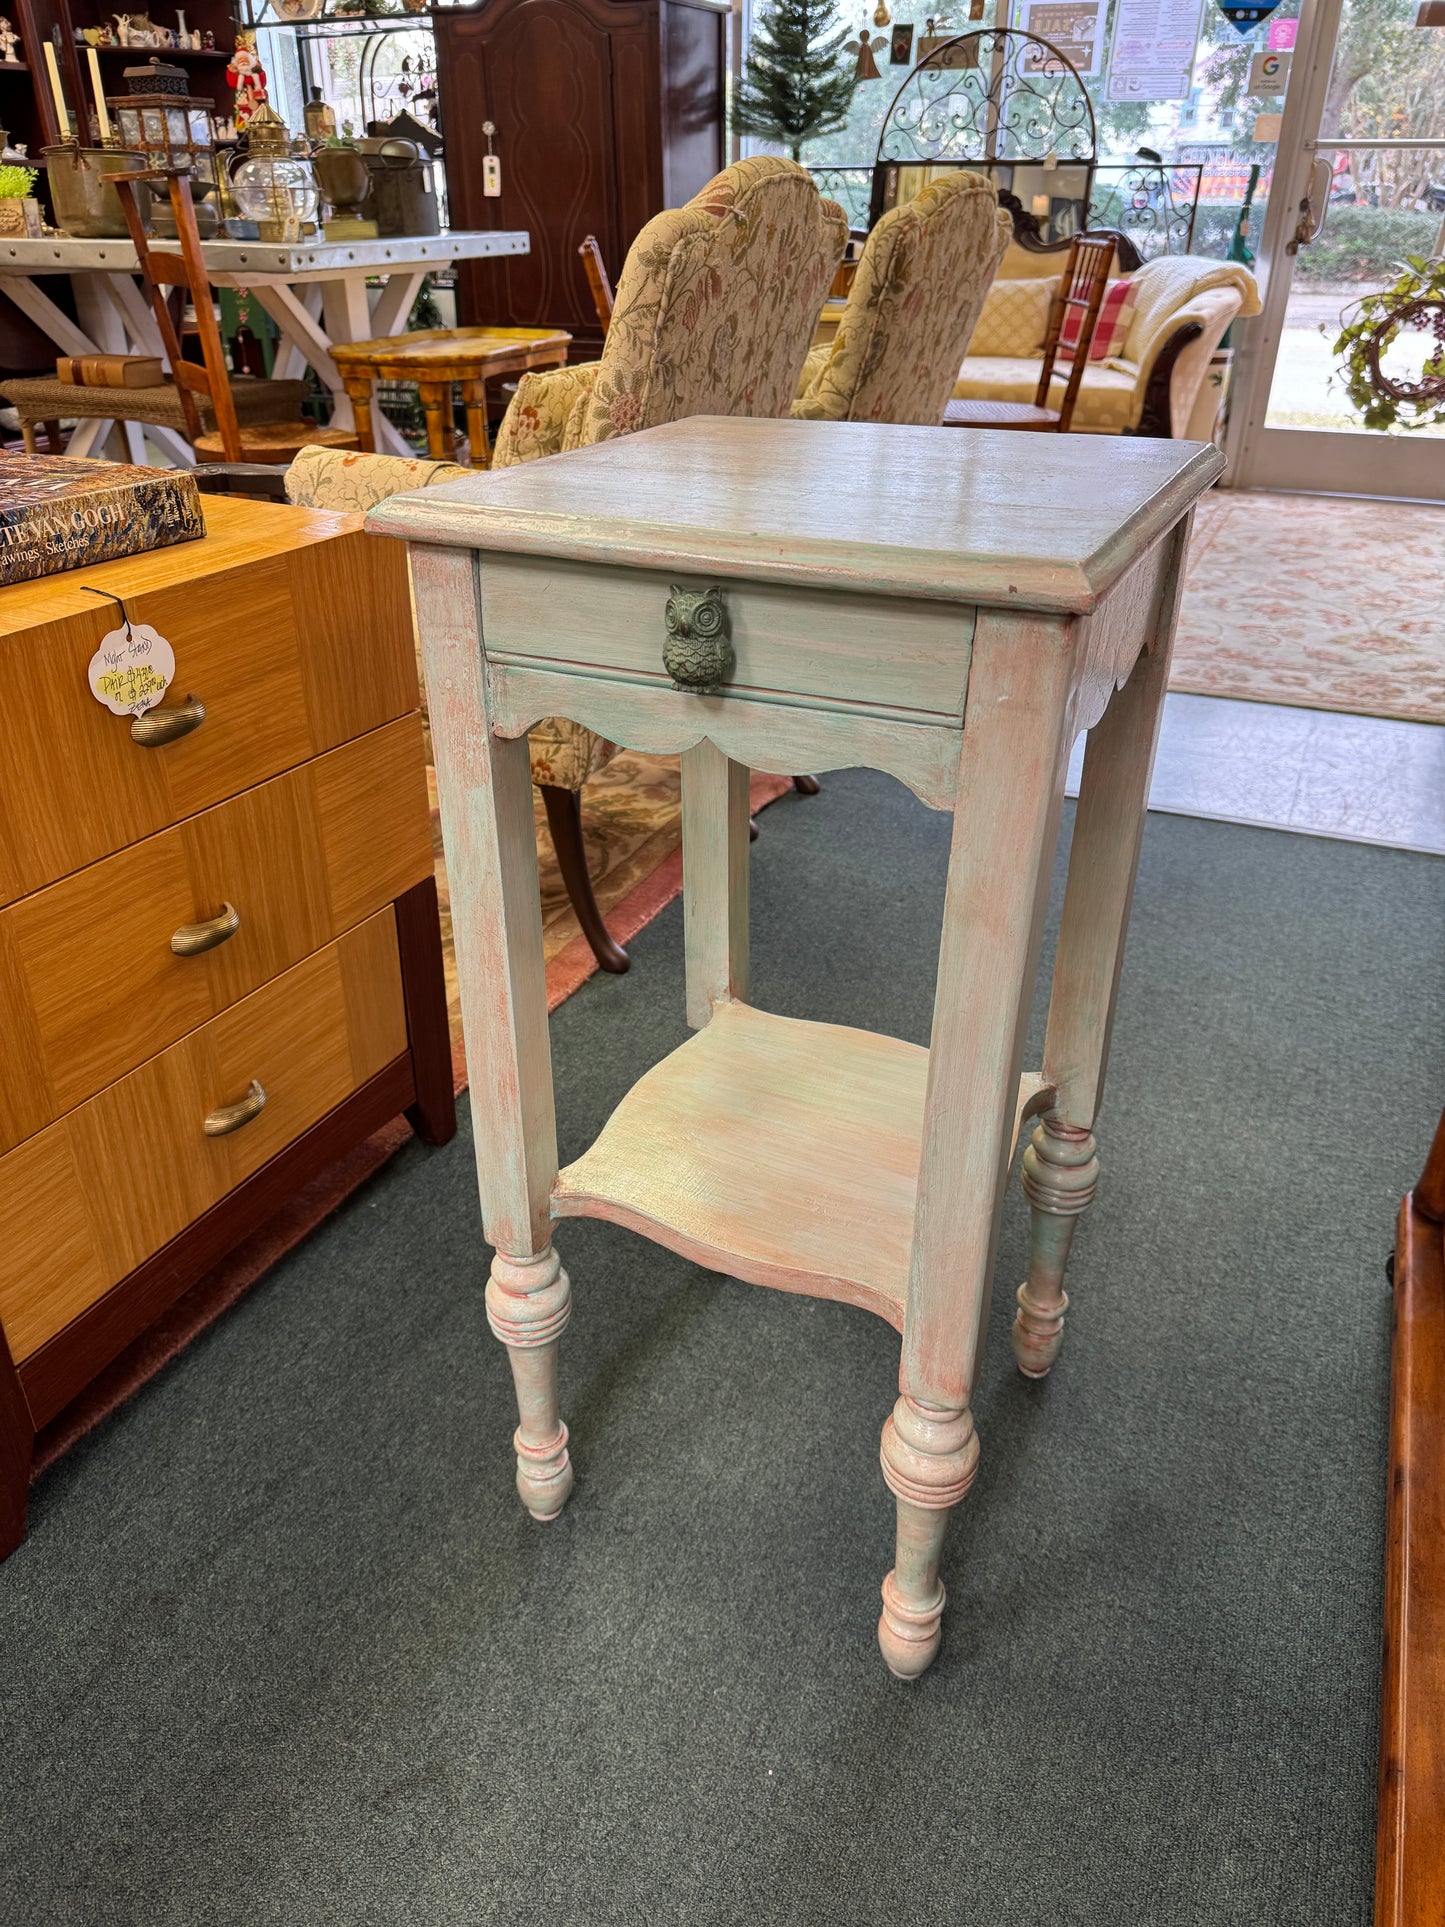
(1152, 384)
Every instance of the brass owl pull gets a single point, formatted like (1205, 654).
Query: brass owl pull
(698, 653)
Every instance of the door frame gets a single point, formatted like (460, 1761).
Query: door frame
(1317, 461)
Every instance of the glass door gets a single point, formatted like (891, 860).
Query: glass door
(1362, 153)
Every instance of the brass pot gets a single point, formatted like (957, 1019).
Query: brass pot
(81, 198)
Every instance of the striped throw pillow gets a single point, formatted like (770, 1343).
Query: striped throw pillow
(1115, 313)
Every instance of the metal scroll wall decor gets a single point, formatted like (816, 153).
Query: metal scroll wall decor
(1007, 102)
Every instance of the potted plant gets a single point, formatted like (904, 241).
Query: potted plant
(19, 211)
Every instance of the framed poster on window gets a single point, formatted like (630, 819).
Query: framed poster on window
(1153, 53)
(1075, 27)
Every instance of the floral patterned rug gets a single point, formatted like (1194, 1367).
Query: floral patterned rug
(1316, 602)
(632, 829)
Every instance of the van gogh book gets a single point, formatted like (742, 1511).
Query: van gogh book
(59, 512)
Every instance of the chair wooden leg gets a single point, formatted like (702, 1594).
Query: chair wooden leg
(27, 435)
(52, 438)
(474, 401)
(436, 401)
(564, 820)
(806, 785)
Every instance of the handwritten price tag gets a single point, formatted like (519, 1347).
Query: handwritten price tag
(132, 669)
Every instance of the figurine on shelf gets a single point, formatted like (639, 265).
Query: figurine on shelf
(9, 41)
(246, 76)
(208, 42)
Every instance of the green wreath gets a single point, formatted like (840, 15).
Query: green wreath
(1385, 401)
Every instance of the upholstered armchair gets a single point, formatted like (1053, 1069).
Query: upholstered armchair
(919, 289)
(714, 312)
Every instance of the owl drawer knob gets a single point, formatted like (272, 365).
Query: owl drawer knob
(698, 653)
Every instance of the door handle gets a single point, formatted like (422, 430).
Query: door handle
(1311, 225)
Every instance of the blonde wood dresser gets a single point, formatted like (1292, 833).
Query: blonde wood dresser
(220, 957)
(807, 595)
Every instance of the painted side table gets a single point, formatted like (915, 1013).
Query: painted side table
(952, 609)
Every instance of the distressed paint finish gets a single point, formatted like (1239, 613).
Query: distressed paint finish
(484, 785)
(801, 1156)
(714, 880)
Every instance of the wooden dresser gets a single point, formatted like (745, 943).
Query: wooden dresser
(220, 957)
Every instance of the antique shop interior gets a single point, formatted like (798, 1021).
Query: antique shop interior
(646, 640)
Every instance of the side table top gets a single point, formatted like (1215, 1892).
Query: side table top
(1043, 522)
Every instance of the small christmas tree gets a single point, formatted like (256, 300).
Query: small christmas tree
(797, 82)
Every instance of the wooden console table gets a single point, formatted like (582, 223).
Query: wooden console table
(220, 956)
(826, 594)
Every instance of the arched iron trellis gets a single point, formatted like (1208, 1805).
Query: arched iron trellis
(997, 99)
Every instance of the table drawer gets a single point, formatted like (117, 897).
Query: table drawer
(90, 1198)
(291, 655)
(882, 654)
(89, 982)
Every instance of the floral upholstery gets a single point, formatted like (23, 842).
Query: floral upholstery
(536, 422)
(1170, 292)
(713, 316)
(328, 478)
(915, 298)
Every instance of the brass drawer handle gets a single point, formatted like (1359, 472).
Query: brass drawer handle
(193, 938)
(160, 726)
(230, 1117)
(698, 652)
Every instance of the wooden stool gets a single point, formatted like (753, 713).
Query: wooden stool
(435, 359)
(274, 441)
(757, 594)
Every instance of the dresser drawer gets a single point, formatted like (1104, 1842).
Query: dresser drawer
(291, 654)
(885, 655)
(89, 982)
(87, 1200)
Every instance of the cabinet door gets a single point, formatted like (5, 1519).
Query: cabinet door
(542, 70)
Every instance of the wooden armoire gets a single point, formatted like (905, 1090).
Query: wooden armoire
(606, 112)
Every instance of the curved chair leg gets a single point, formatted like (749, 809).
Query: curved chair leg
(806, 785)
(564, 820)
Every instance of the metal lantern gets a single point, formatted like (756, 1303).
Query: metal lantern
(175, 130)
(273, 186)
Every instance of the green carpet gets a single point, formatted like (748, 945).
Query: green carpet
(282, 1647)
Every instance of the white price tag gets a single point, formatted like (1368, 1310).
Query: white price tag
(132, 669)
(491, 174)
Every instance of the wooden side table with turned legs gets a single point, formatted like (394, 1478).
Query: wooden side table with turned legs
(438, 359)
(809, 595)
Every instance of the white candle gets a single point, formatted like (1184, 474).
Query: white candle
(60, 107)
(102, 119)
(1041, 206)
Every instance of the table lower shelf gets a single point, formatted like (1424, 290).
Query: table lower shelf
(781, 1152)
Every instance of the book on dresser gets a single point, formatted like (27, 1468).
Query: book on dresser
(251, 860)
(64, 512)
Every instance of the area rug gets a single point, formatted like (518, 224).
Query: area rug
(1316, 602)
(632, 828)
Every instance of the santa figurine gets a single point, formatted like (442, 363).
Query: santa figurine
(247, 77)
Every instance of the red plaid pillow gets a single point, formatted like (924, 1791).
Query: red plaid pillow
(1115, 313)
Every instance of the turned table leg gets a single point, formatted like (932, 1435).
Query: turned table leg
(1060, 1171)
(930, 1457)
(529, 1301)
(484, 782)
(358, 393)
(1061, 1166)
(474, 401)
(436, 401)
